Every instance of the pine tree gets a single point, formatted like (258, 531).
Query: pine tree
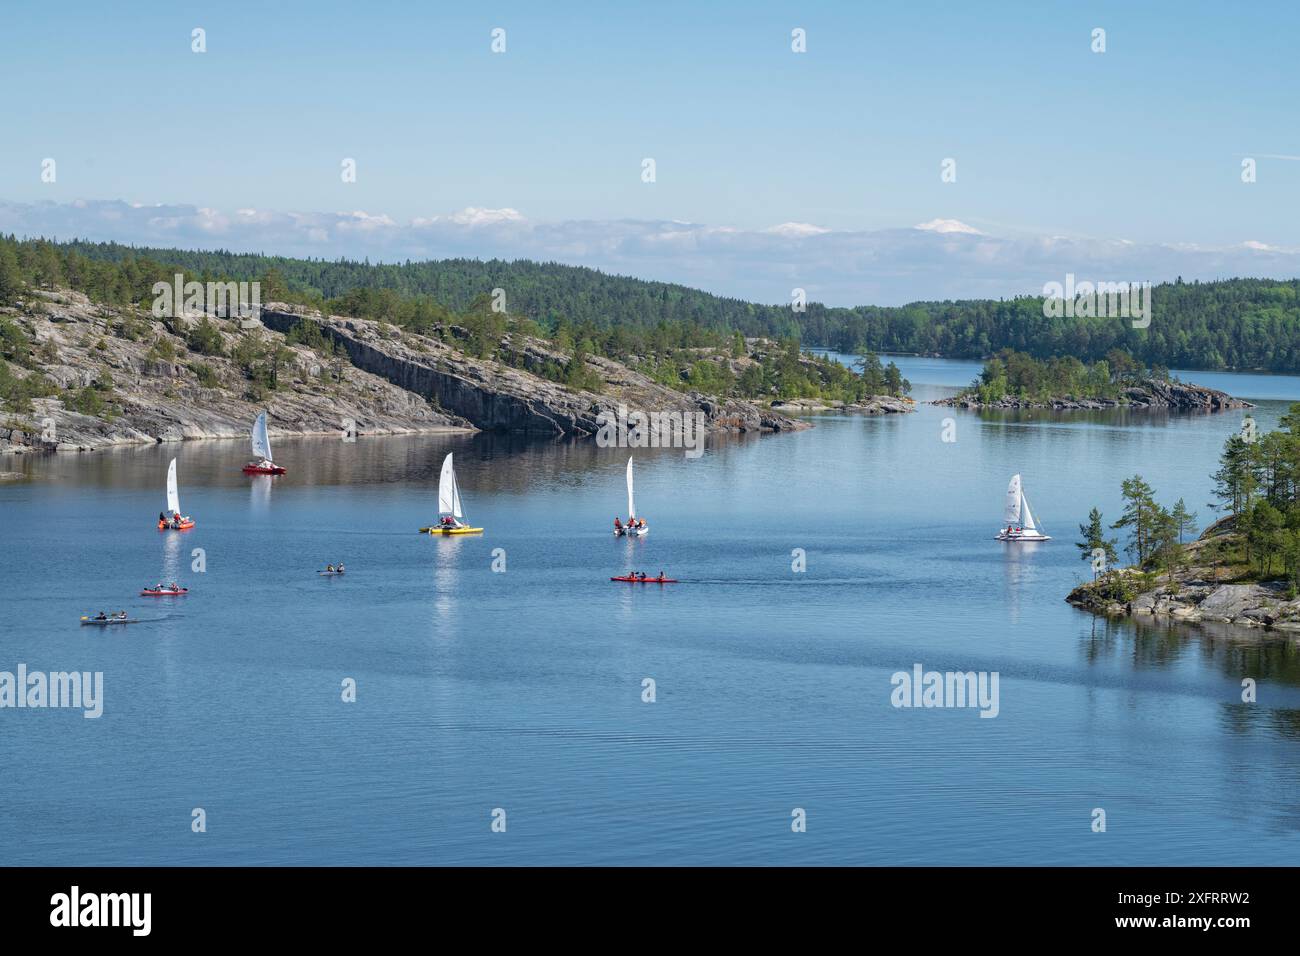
(1184, 520)
(1139, 514)
(1094, 540)
(11, 278)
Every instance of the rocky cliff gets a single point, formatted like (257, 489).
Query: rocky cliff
(154, 388)
(495, 396)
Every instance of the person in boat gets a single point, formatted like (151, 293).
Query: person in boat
(121, 615)
(162, 517)
(618, 525)
(340, 567)
(661, 576)
(101, 616)
(642, 575)
(329, 568)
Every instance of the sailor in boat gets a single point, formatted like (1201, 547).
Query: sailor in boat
(618, 526)
(449, 522)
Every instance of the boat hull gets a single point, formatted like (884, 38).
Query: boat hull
(451, 531)
(184, 526)
(1031, 536)
(628, 580)
(624, 533)
(149, 593)
(259, 470)
(106, 623)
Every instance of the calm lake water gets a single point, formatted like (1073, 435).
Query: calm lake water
(522, 690)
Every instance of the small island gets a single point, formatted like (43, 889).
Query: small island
(1012, 379)
(1243, 569)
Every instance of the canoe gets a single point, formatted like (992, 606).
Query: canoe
(151, 592)
(130, 620)
(332, 573)
(632, 580)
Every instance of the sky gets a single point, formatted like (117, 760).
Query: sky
(773, 169)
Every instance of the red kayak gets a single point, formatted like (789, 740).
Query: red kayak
(631, 580)
(151, 592)
(251, 469)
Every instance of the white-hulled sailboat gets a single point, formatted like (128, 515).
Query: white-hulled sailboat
(1018, 518)
(173, 519)
(635, 527)
(262, 463)
(451, 519)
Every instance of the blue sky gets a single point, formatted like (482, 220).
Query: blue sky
(1139, 145)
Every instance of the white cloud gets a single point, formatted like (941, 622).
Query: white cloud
(942, 259)
(948, 225)
(796, 230)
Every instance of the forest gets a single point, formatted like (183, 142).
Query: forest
(1226, 324)
(679, 353)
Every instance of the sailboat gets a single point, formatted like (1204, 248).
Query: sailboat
(1018, 518)
(451, 519)
(633, 528)
(173, 518)
(262, 465)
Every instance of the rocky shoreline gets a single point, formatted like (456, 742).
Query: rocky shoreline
(384, 382)
(1148, 394)
(1199, 592)
(875, 405)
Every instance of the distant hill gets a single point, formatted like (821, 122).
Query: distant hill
(1232, 323)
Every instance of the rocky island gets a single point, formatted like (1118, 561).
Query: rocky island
(1014, 380)
(1213, 585)
(1243, 569)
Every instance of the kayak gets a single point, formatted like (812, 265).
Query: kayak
(259, 470)
(163, 592)
(111, 620)
(451, 531)
(344, 571)
(184, 525)
(631, 580)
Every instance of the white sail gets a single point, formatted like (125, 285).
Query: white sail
(448, 492)
(173, 498)
(1026, 514)
(261, 440)
(1011, 516)
(631, 505)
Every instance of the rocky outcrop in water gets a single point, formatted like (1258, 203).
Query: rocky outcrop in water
(1150, 393)
(874, 405)
(1199, 591)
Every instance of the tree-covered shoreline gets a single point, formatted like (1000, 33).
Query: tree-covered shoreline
(1241, 323)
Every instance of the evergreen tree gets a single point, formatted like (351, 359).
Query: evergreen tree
(1184, 520)
(1094, 540)
(1138, 516)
